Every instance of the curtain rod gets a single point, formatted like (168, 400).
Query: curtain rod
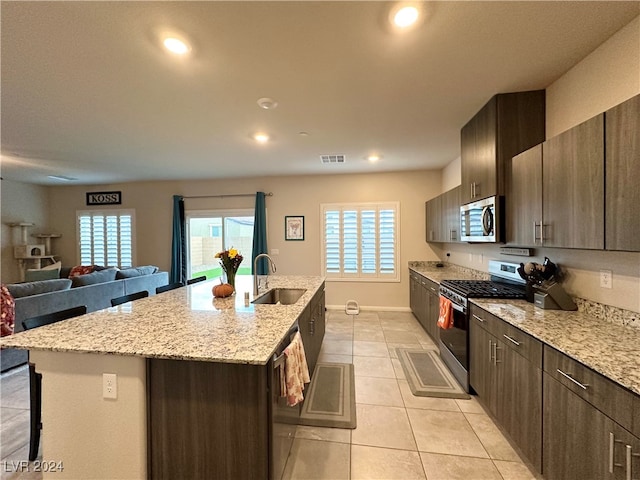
(270, 194)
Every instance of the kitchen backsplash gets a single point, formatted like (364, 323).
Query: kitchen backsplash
(600, 311)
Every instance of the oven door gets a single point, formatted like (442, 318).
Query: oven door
(455, 338)
(454, 346)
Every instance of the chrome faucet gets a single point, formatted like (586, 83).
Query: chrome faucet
(256, 284)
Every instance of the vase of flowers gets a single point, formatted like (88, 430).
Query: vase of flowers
(230, 261)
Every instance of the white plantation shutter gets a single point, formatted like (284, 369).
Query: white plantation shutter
(360, 241)
(105, 238)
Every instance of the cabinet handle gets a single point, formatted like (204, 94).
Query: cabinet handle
(612, 450)
(535, 232)
(433, 289)
(490, 351)
(628, 463)
(495, 354)
(471, 185)
(541, 231)
(511, 340)
(583, 386)
(312, 326)
(479, 319)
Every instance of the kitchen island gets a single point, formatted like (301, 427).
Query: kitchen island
(194, 384)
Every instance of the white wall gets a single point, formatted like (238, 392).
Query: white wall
(295, 195)
(605, 78)
(452, 175)
(21, 202)
(608, 76)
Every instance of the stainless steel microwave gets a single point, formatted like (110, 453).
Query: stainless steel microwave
(481, 221)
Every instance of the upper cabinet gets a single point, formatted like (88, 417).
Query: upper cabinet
(524, 209)
(443, 217)
(507, 125)
(623, 176)
(573, 187)
(580, 188)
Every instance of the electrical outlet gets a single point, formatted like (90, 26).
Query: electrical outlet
(606, 278)
(109, 385)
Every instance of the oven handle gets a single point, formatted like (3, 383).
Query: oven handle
(456, 307)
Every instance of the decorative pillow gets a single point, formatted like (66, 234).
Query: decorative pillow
(137, 271)
(80, 270)
(35, 288)
(107, 275)
(33, 275)
(7, 311)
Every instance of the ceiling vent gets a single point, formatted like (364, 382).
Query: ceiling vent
(332, 158)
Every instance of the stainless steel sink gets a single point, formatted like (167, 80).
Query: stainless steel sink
(283, 296)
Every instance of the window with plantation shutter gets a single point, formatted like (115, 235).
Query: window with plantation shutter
(360, 241)
(106, 238)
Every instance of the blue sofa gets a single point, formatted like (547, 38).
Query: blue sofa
(96, 296)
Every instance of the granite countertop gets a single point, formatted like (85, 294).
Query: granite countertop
(446, 272)
(186, 323)
(606, 347)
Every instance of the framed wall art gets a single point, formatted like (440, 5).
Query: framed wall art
(294, 228)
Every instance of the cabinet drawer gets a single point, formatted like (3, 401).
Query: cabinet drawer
(432, 287)
(610, 398)
(514, 338)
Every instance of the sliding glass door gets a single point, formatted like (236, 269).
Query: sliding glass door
(213, 231)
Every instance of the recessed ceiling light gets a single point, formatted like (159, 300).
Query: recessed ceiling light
(303, 134)
(261, 137)
(373, 158)
(404, 17)
(175, 45)
(267, 103)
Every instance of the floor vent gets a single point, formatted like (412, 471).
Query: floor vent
(332, 158)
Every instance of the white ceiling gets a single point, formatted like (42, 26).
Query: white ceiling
(88, 92)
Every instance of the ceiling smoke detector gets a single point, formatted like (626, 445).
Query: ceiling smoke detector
(332, 158)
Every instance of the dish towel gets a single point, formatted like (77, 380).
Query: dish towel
(445, 319)
(296, 370)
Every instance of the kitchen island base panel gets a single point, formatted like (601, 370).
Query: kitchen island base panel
(207, 420)
(89, 436)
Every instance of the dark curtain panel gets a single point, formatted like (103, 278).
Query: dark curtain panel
(260, 235)
(179, 243)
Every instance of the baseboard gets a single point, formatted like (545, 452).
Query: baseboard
(372, 308)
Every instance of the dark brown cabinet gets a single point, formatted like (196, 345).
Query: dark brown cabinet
(506, 373)
(589, 429)
(573, 187)
(524, 209)
(424, 298)
(443, 217)
(507, 125)
(623, 176)
(433, 210)
(312, 328)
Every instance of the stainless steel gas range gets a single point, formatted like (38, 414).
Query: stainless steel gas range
(454, 342)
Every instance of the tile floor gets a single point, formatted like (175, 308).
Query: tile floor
(399, 436)
(14, 431)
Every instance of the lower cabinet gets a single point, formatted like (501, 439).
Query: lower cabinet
(312, 328)
(424, 299)
(588, 423)
(506, 373)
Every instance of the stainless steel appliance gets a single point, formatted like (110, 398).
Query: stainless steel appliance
(482, 221)
(454, 342)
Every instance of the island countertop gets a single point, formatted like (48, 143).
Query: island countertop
(187, 323)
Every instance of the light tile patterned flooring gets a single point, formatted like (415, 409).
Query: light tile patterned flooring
(399, 436)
